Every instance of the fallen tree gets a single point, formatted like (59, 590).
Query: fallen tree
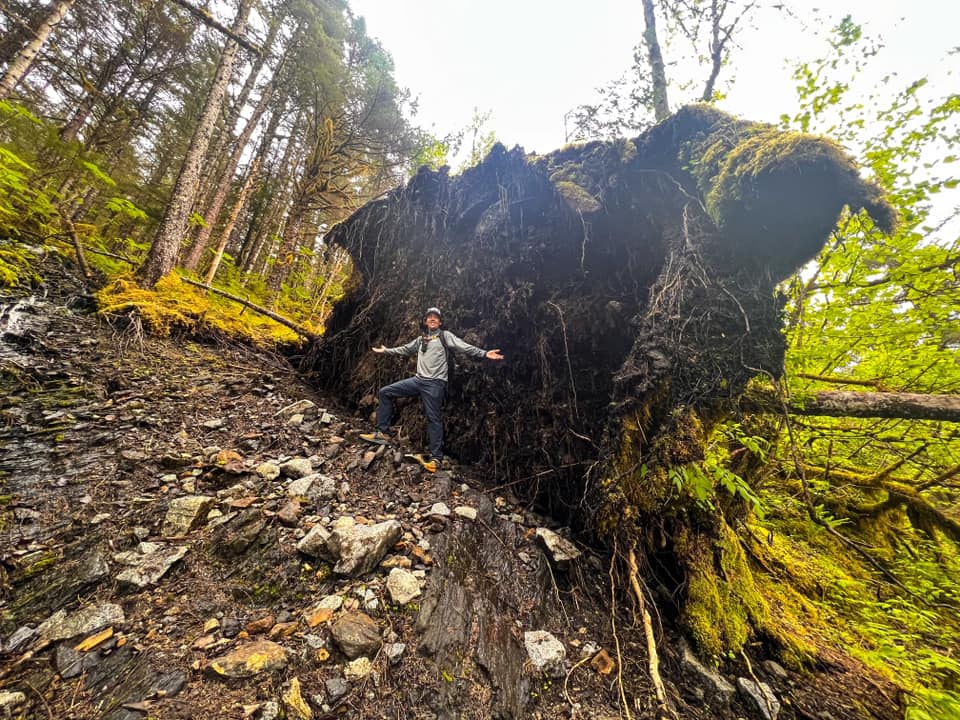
(630, 285)
(849, 403)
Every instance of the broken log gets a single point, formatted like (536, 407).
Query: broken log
(631, 286)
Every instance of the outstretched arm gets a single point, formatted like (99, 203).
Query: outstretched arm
(409, 349)
(466, 348)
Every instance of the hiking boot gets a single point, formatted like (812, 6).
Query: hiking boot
(377, 438)
(431, 465)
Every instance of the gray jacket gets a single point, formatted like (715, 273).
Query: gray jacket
(432, 361)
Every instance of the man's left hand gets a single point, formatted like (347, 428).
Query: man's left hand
(494, 354)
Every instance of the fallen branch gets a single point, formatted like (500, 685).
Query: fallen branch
(286, 322)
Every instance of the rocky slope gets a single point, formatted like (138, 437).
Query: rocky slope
(188, 530)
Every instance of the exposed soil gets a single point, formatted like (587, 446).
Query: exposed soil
(103, 426)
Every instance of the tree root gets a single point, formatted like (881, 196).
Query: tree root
(653, 659)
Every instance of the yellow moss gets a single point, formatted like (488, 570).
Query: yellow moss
(174, 304)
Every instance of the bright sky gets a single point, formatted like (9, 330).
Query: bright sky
(531, 61)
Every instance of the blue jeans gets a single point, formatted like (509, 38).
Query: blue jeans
(431, 392)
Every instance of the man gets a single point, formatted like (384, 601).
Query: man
(430, 382)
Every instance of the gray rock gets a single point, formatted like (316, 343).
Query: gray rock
(20, 637)
(546, 653)
(760, 696)
(394, 651)
(561, 550)
(86, 620)
(440, 509)
(214, 424)
(186, 513)
(715, 685)
(403, 586)
(466, 511)
(9, 701)
(327, 419)
(168, 684)
(147, 564)
(356, 634)
(70, 662)
(316, 487)
(775, 669)
(93, 567)
(297, 467)
(314, 543)
(336, 688)
(360, 548)
(229, 627)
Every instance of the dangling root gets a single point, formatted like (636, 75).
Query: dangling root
(653, 659)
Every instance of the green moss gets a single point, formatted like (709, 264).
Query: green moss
(576, 197)
(723, 604)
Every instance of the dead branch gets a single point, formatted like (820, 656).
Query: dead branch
(286, 322)
(907, 406)
(208, 20)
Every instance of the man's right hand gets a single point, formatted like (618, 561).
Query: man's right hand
(379, 348)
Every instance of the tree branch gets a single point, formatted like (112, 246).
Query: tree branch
(907, 406)
(207, 19)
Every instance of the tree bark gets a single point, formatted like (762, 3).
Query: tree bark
(212, 213)
(232, 219)
(661, 107)
(907, 406)
(166, 244)
(21, 63)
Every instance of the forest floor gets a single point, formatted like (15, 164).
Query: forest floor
(114, 607)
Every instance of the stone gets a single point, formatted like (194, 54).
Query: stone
(297, 467)
(465, 511)
(331, 602)
(394, 651)
(360, 548)
(19, 638)
(252, 659)
(316, 487)
(356, 634)
(86, 620)
(230, 627)
(270, 710)
(327, 419)
(70, 662)
(403, 586)
(714, 683)
(147, 564)
(396, 561)
(93, 567)
(546, 653)
(561, 550)
(261, 625)
(268, 471)
(10, 700)
(289, 514)
(168, 684)
(775, 669)
(185, 514)
(214, 424)
(368, 458)
(300, 407)
(760, 696)
(314, 543)
(358, 669)
(297, 707)
(336, 688)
